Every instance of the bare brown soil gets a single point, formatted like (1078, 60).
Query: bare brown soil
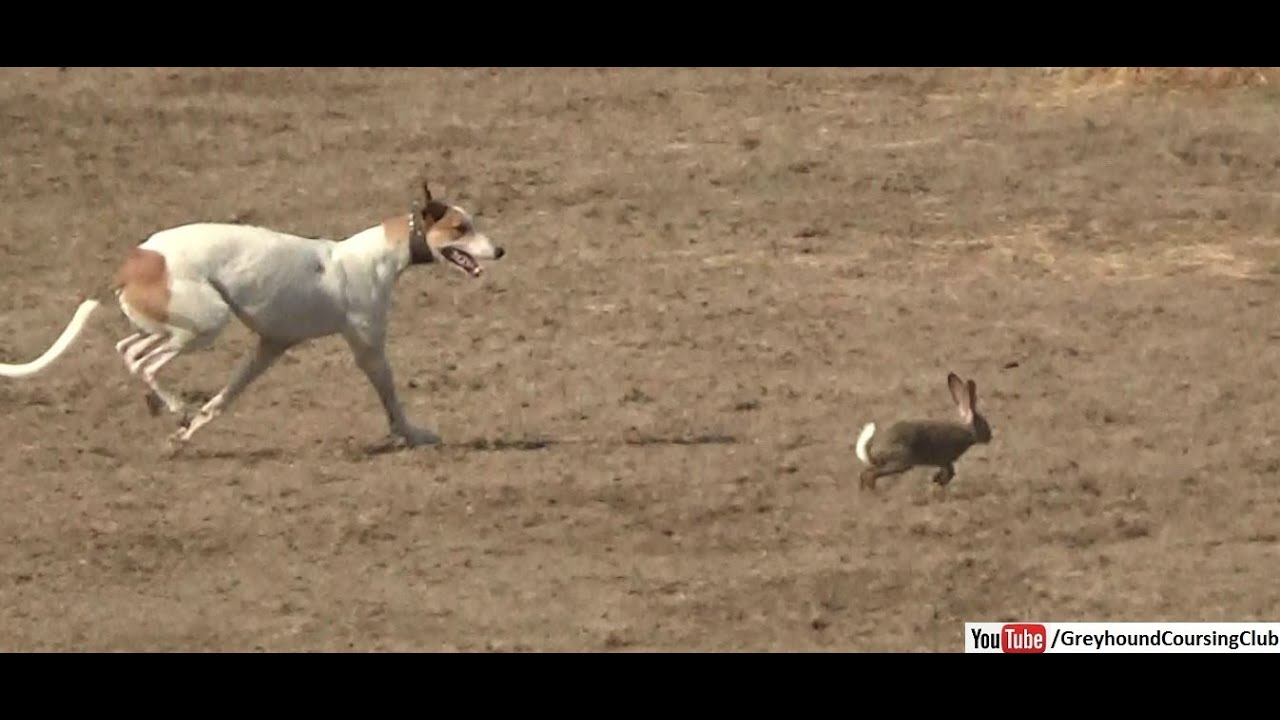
(714, 279)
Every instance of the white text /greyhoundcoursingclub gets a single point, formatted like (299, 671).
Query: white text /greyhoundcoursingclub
(1167, 638)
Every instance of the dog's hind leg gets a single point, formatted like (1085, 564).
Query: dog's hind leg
(149, 365)
(137, 345)
(146, 357)
(137, 352)
(128, 343)
(192, 318)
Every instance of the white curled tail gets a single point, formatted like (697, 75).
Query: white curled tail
(865, 437)
(59, 346)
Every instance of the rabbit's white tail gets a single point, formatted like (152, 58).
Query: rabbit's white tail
(865, 437)
(59, 346)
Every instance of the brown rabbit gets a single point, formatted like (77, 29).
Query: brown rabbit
(931, 443)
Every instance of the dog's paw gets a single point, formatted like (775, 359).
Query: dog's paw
(175, 441)
(418, 437)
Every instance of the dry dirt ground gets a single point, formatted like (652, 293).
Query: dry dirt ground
(649, 406)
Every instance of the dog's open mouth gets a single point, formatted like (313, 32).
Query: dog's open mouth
(461, 260)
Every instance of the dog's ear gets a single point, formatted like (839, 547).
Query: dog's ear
(434, 210)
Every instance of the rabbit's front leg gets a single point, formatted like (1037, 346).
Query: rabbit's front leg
(944, 474)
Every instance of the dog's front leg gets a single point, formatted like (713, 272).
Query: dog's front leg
(371, 357)
(263, 357)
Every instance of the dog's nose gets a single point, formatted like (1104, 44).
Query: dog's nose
(498, 253)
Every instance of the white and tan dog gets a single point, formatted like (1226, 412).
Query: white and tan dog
(181, 286)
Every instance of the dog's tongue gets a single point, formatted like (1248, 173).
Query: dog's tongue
(462, 260)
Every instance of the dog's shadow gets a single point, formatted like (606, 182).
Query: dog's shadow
(355, 451)
(251, 456)
(542, 443)
(172, 451)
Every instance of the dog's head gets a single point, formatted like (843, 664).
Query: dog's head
(448, 233)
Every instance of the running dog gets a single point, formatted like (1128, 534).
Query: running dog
(180, 287)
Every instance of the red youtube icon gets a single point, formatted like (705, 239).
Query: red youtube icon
(1023, 638)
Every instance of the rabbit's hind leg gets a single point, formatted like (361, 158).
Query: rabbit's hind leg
(867, 480)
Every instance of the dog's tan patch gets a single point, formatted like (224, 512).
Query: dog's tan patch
(396, 230)
(143, 279)
(399, 233)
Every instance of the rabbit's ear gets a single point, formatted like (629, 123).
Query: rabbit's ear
(973, 396)
(960, 393)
